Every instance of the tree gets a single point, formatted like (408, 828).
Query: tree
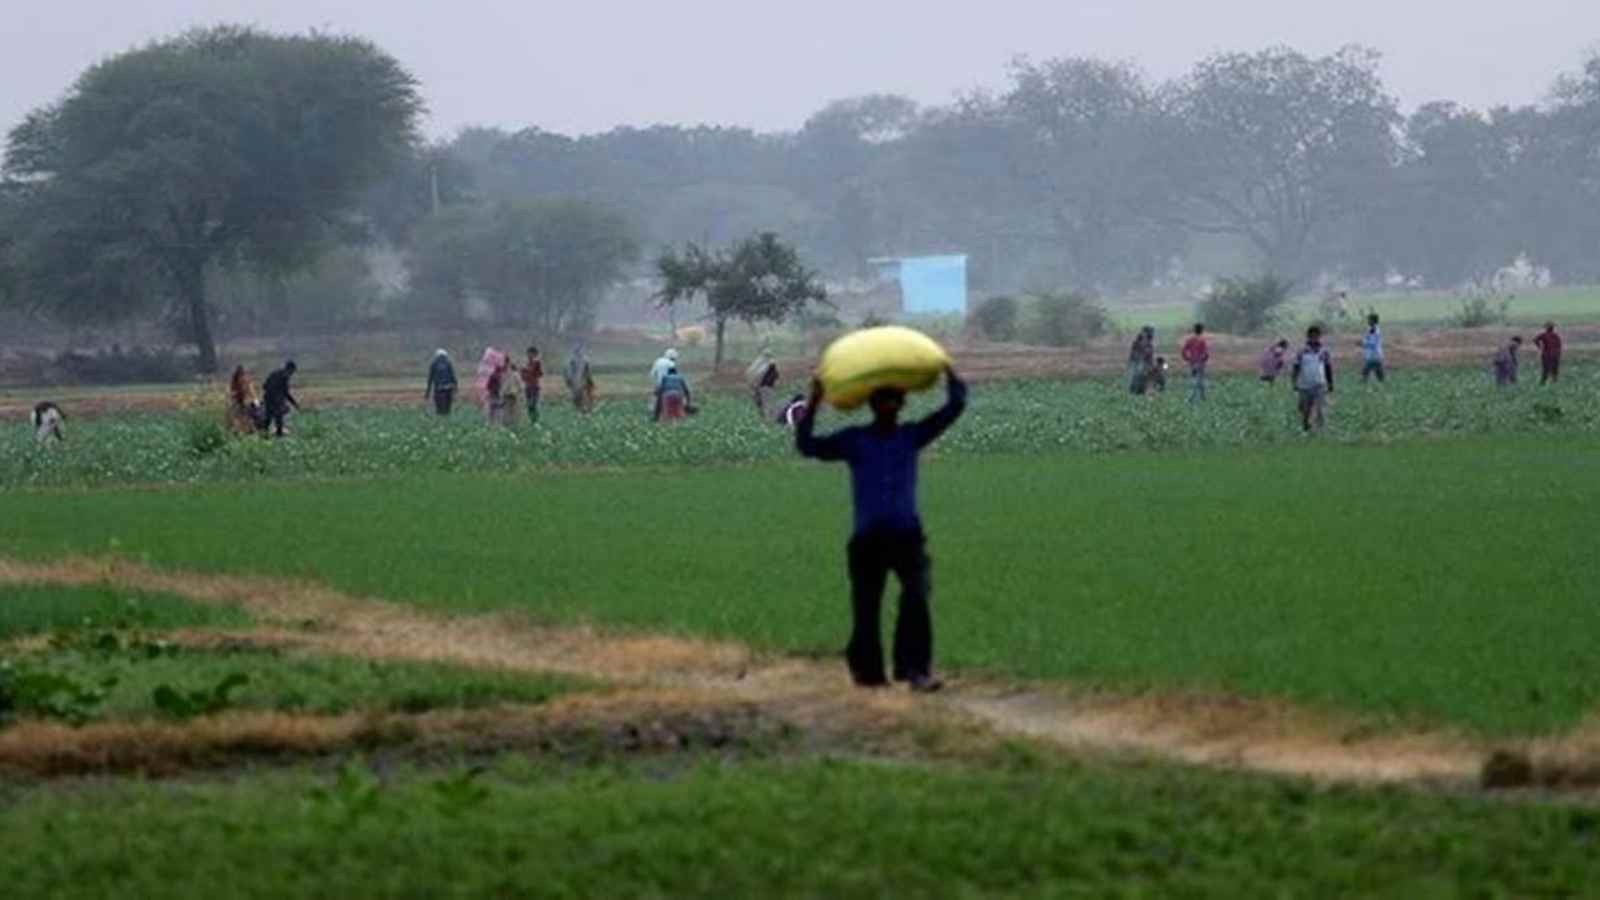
(1283, 150)
(760, 279)
(543, 264)
(1082, 133)
(222, 147)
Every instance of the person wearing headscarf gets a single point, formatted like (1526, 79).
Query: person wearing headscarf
(672, 396)
(579, 377)
(762, 377)
(244, 411)
(441, 382)
(490, 378)
(658, 369)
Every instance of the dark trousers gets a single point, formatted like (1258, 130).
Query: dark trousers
(274, 423)
(1550, 369)
(533, 407)
(1371, 368)
(442, 401)
(872, 557)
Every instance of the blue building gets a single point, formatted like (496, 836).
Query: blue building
(928, 284)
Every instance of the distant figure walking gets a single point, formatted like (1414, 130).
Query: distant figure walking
(1549, 344)
(532, 383)
(441, 382)
(579, 377)
(1313, 380)
(1372, 350)
(47, 418)
(1196, 353)
(1504, 365)
(278, 399)
(1141, 359)
(762, 377)
(1273, 359)
(490, 365)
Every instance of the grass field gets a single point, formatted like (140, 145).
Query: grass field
(1454, 572)
(774, 829)
(1417, 309)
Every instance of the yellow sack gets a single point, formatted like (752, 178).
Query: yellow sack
(888, 357)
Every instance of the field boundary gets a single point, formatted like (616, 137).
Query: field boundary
(1199, 729)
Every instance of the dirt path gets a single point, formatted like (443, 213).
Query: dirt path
(689, 673)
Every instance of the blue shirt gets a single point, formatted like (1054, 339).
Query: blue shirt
(1372, 344)
(883, 465)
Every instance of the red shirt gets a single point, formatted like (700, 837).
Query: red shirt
(1549, 344)
(1195, 351)
(531, 373)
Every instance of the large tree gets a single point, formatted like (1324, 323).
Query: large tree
(543, 264)
(1285, 151)
(222, 147)
(761, 279)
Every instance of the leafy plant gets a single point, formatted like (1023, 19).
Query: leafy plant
(461, 792)
(192, 704)
(354, 794)
(1244, 305)
(1481, 312)
(49, 694)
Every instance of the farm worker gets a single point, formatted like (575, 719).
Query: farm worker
(488, 365)
(244, 410)
(1197, 354)
(441, 382)
(1313, 380)
(1272, 361)
(1141, 358)
(532, 376)
(1549, 344)
(510, 387)
(277, 397)
(579, 377)
(1158, 375)
(888, 532)
(762, 376)
(672, 396)
(1372, 350)
(664, 363)
(47, 418)
(792, 411)
(1504, 363)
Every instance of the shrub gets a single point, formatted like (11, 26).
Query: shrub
(996, 318)
(1244, 305)
(1066, 319)
(116, 366)
(1481, 312)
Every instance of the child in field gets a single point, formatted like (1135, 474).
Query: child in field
(47, 418)
(1273, 359)
(888, 534)
(1313, 380)
(1372, 350)
(1158, 375)
(1505, 363)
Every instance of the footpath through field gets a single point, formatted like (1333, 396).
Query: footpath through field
(664, 672)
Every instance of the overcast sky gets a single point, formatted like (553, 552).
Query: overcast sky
(588, 65)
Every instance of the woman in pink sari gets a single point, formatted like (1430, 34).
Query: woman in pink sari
(491, 376)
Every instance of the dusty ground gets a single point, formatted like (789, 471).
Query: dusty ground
(677, 692)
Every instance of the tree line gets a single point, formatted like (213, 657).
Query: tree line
(215, 172)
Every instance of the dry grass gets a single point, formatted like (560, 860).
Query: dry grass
(662, 677)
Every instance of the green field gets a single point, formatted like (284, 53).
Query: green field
(1530, 308)
(1444, 582)
(1007, 418)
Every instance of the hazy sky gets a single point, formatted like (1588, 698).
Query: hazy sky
(587, 65)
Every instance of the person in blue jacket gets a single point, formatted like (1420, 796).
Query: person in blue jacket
(888, 534)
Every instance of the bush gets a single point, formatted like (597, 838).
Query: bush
(996, 318)
(1066, 319)
(1244, 305)
(1481, 312)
